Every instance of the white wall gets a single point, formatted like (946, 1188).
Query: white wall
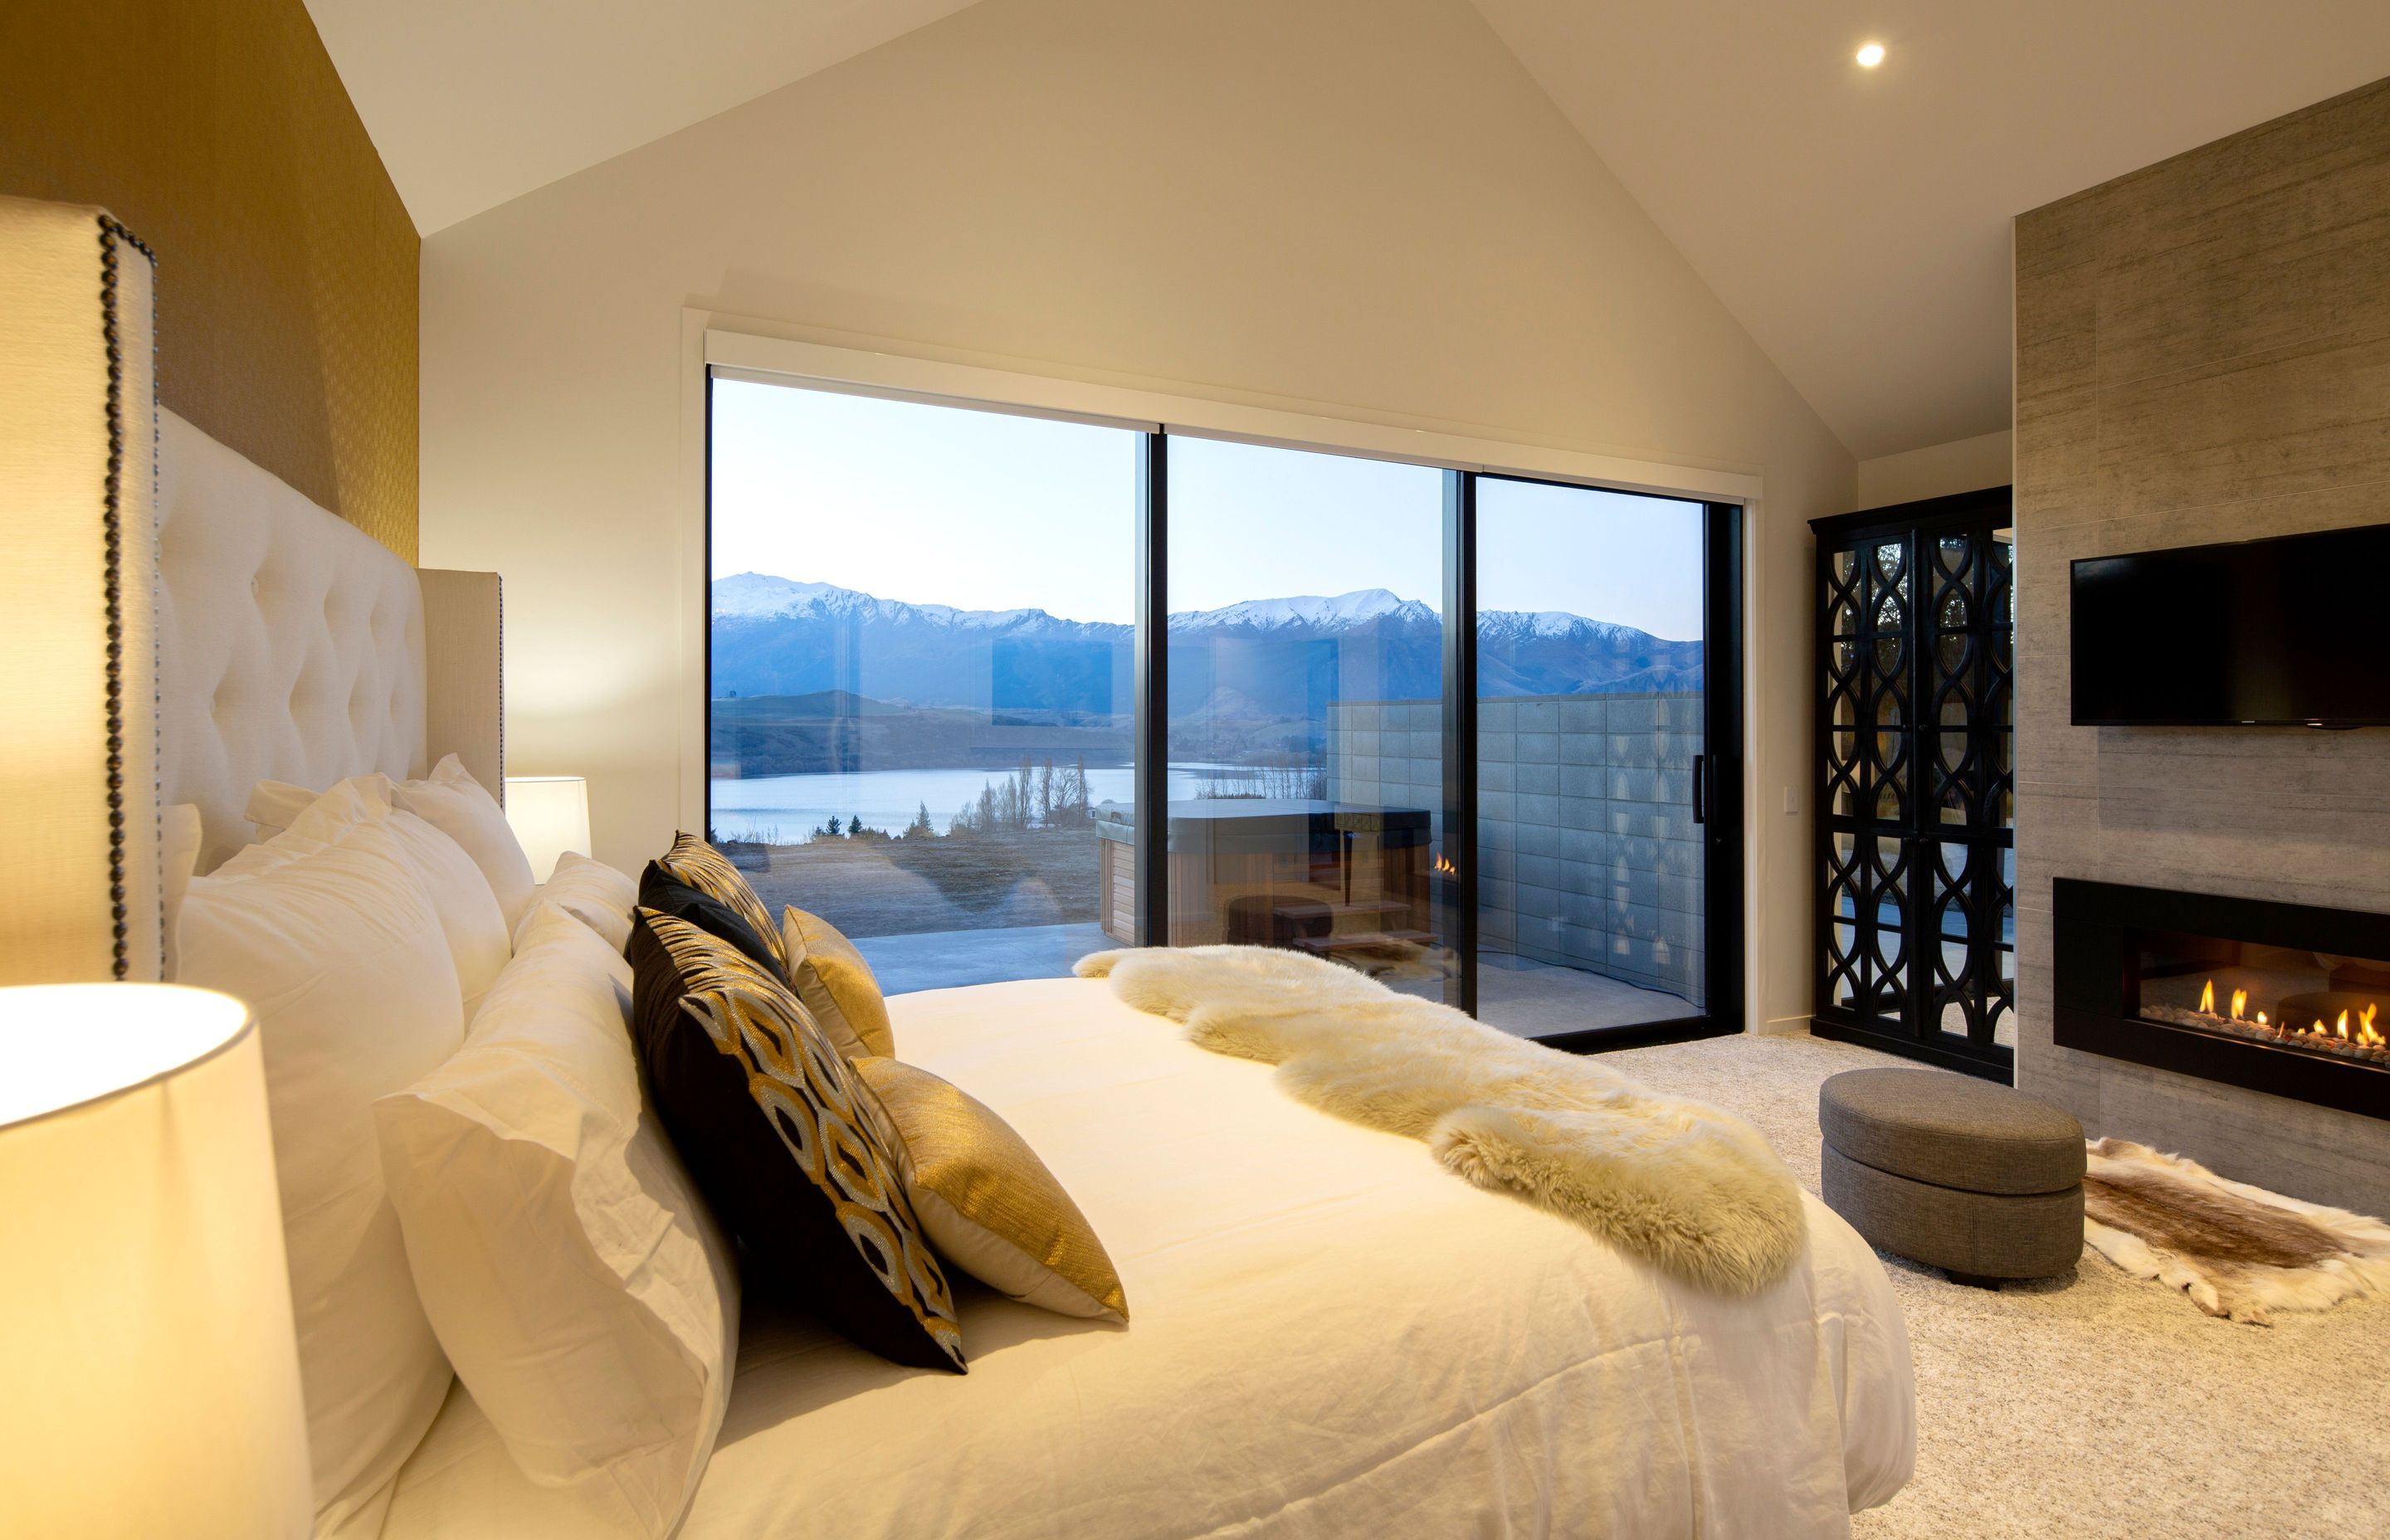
(1937, 470)
(1365, 205)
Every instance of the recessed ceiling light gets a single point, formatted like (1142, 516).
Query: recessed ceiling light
(1870, 54)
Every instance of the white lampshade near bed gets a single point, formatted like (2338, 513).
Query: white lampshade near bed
(549, 815)
(152, 1369)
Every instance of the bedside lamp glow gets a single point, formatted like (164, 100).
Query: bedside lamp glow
(549, 815)
(145, 1309)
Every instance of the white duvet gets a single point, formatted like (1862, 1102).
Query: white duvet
(1330, 1335)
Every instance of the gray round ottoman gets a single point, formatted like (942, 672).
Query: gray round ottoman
(1981, 1181)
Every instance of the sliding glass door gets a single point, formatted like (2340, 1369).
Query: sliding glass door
(1304, 711)
(1605, 760)
(991, 691)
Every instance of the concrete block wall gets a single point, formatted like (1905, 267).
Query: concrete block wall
(1586, 836)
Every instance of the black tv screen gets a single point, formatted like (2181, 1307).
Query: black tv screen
(2295, 630)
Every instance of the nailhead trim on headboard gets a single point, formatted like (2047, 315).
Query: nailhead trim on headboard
(112, 587)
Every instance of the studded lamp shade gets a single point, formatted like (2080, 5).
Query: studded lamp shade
(78, 563)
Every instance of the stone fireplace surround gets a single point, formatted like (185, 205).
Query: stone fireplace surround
(2202, 354)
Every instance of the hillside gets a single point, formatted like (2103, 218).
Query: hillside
(1257, 661)
(833, 731)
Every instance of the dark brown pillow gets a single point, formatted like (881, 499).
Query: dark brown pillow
(775, 1125)
(660, 892)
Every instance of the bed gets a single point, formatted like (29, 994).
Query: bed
(1330, 1334)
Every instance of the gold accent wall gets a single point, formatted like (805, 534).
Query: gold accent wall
(219, 131)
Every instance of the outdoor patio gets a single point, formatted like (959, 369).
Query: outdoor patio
(1530, 999)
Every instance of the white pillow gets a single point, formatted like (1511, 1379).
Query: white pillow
(453, 802)
(340, 954)
(479, 942)
(592, 892)
(573, 1274)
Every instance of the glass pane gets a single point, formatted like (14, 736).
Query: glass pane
(921, 721)
(1590, 692)
(1954, 551)
(1305, 708)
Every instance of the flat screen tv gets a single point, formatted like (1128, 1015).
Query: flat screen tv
(2291, 630)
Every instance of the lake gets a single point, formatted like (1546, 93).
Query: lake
(784, 809)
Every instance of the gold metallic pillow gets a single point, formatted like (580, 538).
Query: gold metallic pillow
(985, 1199)
(836, 984)
(694, 864)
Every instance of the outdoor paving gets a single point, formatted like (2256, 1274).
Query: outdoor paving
(948, 959)
(1528, 998)
(1532, 999)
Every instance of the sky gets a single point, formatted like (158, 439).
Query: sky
(984, 511)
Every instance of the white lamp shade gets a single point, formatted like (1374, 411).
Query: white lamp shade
(145, 1309)
(549, 815)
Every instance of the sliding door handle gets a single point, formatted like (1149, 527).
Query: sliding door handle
(1701, 788)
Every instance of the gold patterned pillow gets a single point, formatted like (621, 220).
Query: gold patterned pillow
(694, 864)
(988, 1202)
(785, 1142)
(836, 984)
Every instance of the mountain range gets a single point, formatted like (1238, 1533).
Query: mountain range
(1258, 659)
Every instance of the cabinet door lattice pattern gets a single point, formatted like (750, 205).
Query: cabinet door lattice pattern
(1916, 917)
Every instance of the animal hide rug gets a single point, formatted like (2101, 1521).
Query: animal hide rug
(2237, 1250)
(1688, 1188)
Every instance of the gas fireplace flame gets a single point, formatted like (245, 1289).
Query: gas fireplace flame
(2356, 1031)
(1443, 866)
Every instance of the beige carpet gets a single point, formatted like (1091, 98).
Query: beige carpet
(2095, 1404)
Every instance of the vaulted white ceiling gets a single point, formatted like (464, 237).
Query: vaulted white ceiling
(1855, 220)
(474, 102)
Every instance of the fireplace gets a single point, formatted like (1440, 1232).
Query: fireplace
(2276, 997)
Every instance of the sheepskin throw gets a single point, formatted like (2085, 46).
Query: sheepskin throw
(2237, 1250)
(1686, 1188)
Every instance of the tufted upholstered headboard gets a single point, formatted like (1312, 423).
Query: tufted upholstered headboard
(291, 646)
(289, 643)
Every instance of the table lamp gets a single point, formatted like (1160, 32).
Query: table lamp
(152, 1369)
(549, 815)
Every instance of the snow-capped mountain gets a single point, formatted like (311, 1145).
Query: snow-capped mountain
(1273, 657)
(1308, 611)
(759, 597)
